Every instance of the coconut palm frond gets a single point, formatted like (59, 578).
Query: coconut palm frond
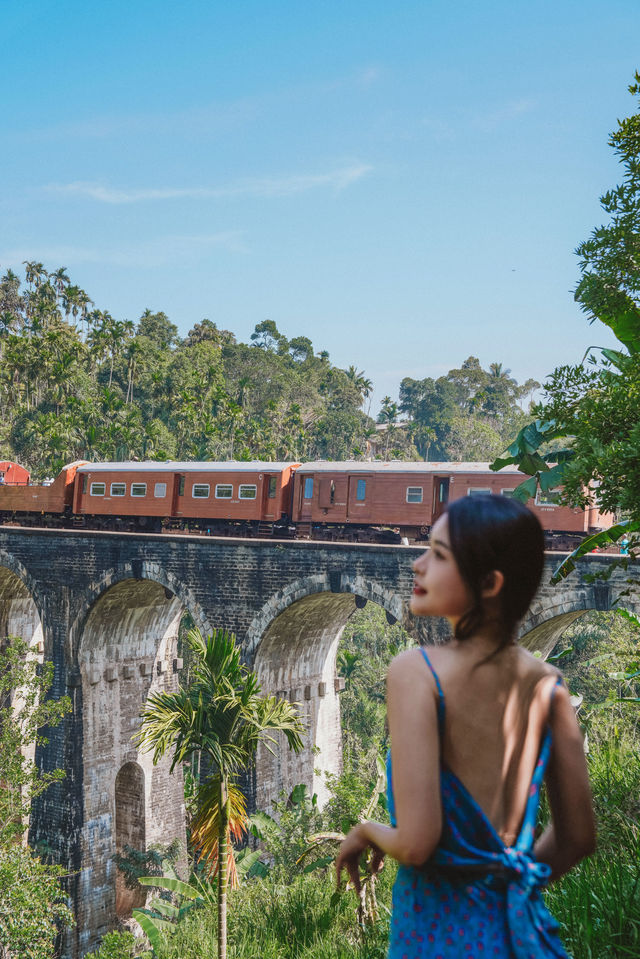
(206, 823)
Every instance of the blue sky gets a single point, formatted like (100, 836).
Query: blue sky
(403, 183)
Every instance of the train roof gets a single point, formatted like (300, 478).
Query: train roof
(396, 466)
(164, 466)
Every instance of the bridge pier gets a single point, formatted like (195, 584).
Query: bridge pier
(296, 660)
(126, 650)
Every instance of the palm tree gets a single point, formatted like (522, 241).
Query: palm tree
(388, 415)
(223, 715)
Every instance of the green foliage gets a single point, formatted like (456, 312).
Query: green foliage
(367, 646)
(32, 904)
(595, 405)
(600, 654)
(135, 863)
(598, 902)
(285, 836)
(76, 383)
(222, 713)
(24, 713)
(284, 917)
(467, 414)
(120, 945)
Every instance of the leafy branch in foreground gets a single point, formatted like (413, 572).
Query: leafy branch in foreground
(594, 406)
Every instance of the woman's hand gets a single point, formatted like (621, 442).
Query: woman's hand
(349, 857)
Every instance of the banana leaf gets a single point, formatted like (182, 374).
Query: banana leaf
(603, 538)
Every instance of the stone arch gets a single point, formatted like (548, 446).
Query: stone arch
(20, 615)
(345, 583)
(137, 570)
(126, 650)
(546, 635)
(21, 604)
(292, 643)
(552, 611)
(296, 660)
(129, 803)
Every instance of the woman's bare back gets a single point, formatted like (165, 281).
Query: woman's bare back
(496, 715)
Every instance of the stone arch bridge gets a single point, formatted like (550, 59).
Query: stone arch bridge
(105, 609)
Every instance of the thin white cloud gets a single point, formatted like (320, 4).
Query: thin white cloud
(368, 76)
(265, 187)
(146, 254)
(210, 118)
(202, 120)
(510, 111)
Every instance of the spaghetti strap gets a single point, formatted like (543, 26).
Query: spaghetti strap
(441, 706)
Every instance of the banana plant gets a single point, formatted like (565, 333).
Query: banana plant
(368, 911)
(159, 920)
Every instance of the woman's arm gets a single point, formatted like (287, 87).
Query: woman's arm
(413, 724)
(572, 834)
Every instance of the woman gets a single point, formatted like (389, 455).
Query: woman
(475, 725)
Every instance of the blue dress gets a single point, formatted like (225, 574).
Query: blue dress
(475, 898)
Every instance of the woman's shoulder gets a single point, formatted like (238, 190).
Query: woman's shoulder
(414, 655)
(537, 667)
(412, 668)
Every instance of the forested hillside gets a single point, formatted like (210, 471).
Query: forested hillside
(77, 383)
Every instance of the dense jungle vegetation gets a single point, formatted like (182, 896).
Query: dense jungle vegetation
(76, 383)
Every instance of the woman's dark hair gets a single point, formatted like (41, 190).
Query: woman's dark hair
(489, 533)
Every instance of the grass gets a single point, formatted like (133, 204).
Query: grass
(286, 918)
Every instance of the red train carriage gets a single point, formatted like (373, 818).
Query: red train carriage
(12, 474)
(215, 497)
(370, 502)
(32, 505)
(361, 500)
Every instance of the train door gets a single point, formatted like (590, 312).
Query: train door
(326, 492)
(177, 497)
(440, 496)
(269, 496)
(359, 497)
(306, 483)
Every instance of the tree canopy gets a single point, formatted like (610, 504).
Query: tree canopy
(78, 383)
(594, 405)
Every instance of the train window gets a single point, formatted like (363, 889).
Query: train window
(138, 489)
(509, 493)
(84, 483)
(414, 494)
(202, 490)
(479, 491)
(181, 486)
(550, 497)
(308, 487)
(118, 489)
(247, 492)
(361, 490)
(272, 487)
(224, 491)
(160, 490)
(98, 489)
